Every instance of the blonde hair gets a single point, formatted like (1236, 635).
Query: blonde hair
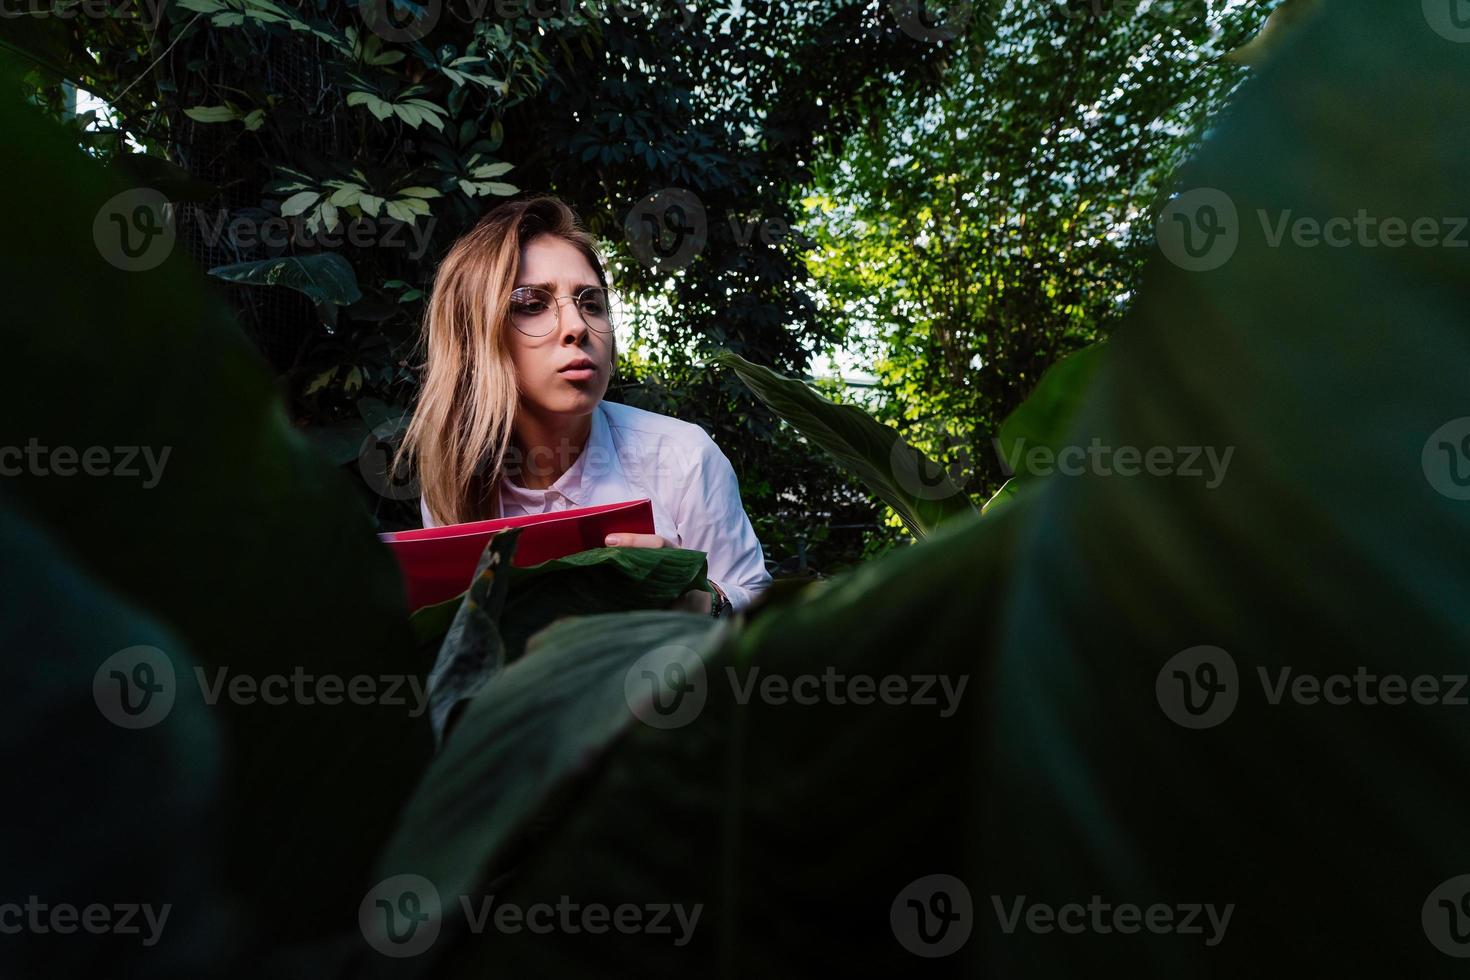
(466, 409)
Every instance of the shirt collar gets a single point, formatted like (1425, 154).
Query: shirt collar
(595, 471)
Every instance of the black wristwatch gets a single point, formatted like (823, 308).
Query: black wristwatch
(719, 602)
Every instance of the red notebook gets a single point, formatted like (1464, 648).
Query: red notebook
(438, 562)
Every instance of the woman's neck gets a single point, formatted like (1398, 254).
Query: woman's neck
(548, 446)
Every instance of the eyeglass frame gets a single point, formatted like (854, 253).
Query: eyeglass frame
(556, 303)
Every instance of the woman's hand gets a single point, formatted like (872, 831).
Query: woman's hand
(626, 540)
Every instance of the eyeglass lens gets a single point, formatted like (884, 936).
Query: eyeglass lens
(535, 311)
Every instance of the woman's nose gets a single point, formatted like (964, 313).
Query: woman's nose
(573, 327)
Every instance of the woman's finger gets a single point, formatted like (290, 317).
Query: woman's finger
(626, 540)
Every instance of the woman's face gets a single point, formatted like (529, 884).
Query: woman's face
(541, 363)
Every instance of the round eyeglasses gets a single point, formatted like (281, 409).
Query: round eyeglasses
(536, 312)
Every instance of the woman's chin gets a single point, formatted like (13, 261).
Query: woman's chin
(578, 402)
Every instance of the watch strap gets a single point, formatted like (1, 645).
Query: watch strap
(720, 603)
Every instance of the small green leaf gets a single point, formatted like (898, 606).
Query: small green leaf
(321, 381)
(410, 115)
(212, 114)
(488, 170)
(378, 107)
(401, 211)
(346, 195)
(298, 203)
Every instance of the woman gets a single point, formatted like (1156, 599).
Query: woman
(511, 418)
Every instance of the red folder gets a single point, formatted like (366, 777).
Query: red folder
(438, 562)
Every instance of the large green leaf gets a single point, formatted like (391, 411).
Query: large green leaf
(97, 813)
(541, 723)
(792, 826)
(598, 580)
(228, 530)
(325, 277)
(473, 652)
(1335, 545)
(1033, 435)
(916, 487)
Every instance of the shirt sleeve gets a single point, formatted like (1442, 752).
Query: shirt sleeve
(712, 519)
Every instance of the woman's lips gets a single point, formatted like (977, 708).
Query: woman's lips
(578, 374)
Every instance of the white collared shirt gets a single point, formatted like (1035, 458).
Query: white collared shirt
(633, 453)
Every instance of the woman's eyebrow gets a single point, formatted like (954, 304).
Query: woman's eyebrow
(550, 287)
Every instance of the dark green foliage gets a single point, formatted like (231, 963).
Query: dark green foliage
(1326, 550)
(241, 542)
(793, 825)
(543, 723)
(472, 652)
(1333, 545)
(97, 814)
